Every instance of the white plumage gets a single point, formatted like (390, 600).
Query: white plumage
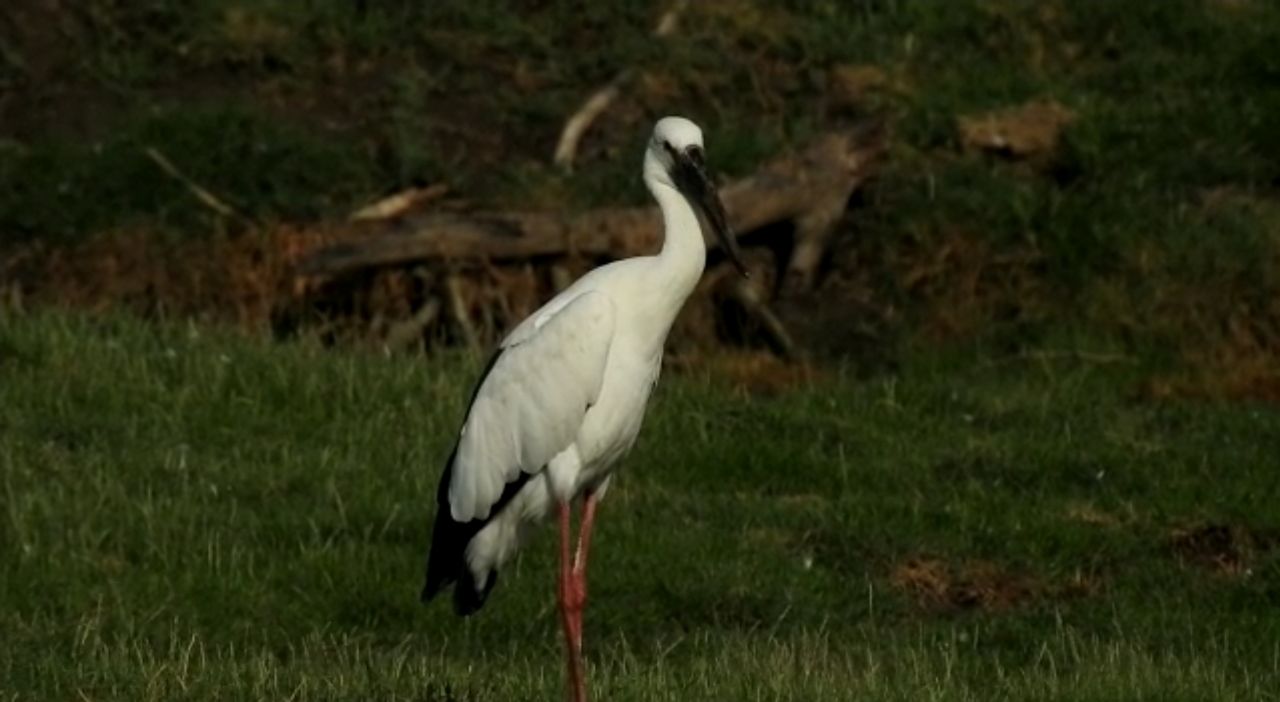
(565, 394)
(531, 406)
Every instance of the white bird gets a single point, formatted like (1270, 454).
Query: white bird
(564, 395)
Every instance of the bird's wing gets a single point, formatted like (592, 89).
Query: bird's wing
(530, 406)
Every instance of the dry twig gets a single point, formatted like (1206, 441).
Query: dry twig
(746, 293)
(458, 310)
(206, 198)
(595, 105)
(399, 203)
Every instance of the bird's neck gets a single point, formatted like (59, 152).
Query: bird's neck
(684, 251)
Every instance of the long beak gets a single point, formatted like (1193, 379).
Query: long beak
(692, 179)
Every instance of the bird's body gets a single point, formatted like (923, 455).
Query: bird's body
(610, 419)
(565, 395)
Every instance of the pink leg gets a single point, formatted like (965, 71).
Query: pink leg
(589, 503)
(570, 602)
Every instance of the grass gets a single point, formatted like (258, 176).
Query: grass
(193, 514)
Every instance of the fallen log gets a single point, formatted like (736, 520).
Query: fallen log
(810, 188)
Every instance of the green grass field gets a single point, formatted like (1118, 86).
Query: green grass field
(190, 514)
(1047, 470)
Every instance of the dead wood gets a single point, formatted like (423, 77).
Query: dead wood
(453, 285)
(747, 293)
(409, 332)
(399, 203)
(809, 188)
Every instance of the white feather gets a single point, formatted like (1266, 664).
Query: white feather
(566, 396)
(531, 405)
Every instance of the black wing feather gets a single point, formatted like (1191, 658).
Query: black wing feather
(446, 561)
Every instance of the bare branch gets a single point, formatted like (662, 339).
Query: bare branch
(206, 198)
(748, 295)
(595, 105)
(458, 310)
(399, 203)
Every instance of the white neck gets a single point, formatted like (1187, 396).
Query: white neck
(684, 251)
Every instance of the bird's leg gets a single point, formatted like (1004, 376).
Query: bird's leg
(580, 560)
(570, 610)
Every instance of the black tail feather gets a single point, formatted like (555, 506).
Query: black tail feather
(467, 598)
(447, 559)
(447, 565)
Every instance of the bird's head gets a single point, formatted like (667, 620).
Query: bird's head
(675, 158)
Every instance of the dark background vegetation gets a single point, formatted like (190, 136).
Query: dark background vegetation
(1151, 223)
(1035, 455)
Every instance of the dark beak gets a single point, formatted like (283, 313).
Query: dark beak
(690, 175)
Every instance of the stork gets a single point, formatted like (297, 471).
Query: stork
(563, 397)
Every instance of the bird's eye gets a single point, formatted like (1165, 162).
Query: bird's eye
(670, 149)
